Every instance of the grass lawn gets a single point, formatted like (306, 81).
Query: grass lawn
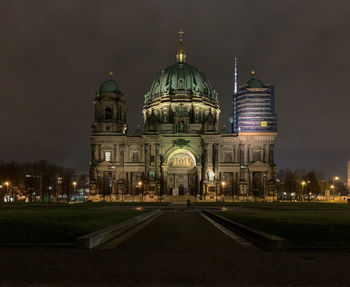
(302, 224)
(56, 224)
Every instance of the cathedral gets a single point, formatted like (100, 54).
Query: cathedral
(181, 152)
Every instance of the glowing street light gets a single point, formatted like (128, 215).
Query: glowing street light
(335, 178)
(7, 187)
(332, 188)
(139, 183)
(223, 189)
(302, 188)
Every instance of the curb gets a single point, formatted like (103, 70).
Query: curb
(260, 238)
(98, 237)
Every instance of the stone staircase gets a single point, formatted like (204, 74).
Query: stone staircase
(179, 198)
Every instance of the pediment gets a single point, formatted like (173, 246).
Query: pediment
(258, 165)
(105, 163)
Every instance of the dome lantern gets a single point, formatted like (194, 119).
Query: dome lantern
(181, 55)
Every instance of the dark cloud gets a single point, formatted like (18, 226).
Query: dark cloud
(55, 54)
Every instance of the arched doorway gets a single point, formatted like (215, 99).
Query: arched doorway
(182, 173)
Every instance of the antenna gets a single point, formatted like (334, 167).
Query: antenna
(235, 87)
(234, 116)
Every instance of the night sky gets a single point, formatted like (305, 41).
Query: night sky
(55, 54)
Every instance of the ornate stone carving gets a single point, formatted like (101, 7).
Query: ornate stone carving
(181, 143)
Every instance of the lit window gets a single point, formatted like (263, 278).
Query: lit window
(107, 156)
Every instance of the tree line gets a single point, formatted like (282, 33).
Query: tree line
(33, 180)
(301, 184)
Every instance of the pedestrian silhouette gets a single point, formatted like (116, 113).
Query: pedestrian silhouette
(188, 203)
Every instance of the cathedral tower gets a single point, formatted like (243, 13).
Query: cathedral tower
(110, 109)
(110, 121)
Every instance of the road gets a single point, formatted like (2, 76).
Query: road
(177, 248)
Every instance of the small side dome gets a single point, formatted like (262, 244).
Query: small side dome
(110, 86)
(254, 83)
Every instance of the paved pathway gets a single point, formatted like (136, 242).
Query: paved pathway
(177, 248)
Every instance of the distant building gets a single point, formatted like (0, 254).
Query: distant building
(348, 181)
(181, 150)
(254, 108)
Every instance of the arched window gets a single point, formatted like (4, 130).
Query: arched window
(181, 160)
(108, 113)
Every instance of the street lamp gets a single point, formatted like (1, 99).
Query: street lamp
(332, 188)
(7, 183)
(223, 189)
(50, 190)
(308, 190)
(75, 187)
(141, 189)
(335, 178)
(302, 187)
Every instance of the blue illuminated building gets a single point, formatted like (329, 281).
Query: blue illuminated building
(254, 108)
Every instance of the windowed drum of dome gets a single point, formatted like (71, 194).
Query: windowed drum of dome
(181, 160)
(180, 78)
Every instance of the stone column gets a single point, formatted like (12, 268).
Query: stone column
(157, 161)
(93, 163)
(245, 157)
(205, 162)
(98, 152)
(198, 186)
(147, 160)
(121, 155)
(164, 180)
(248, 158)
(242, 169)
(216, 160)
(271, 159)
(126, 190)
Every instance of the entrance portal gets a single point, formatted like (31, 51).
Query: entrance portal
(182, 173)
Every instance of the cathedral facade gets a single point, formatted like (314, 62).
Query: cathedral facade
(181, 151)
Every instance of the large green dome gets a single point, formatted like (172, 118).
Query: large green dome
(109, 86)
(181, 78)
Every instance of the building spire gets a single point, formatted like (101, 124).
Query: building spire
(181, 55)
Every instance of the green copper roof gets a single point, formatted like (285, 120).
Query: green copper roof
(255, 83)
(181, 78)
(109, 86)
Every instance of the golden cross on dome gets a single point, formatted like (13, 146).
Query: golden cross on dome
(252, 72)
(181, 33)
(111, 74)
